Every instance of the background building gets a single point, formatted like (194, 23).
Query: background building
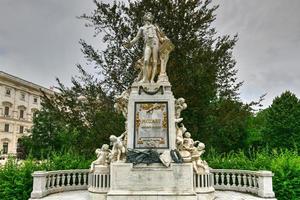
(19, 99)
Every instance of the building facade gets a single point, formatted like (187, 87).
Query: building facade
(19, 99)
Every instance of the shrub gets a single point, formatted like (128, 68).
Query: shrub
(16, 180)
(285, 164)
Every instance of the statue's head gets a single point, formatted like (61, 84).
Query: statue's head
(105, 147)
(187, 134)
(201, 146)
(113, 138)
(148, 17)
(181, 100)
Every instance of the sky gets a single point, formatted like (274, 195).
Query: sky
(39, 42)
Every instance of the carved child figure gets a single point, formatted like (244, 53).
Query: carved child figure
(200, 166)
(180, 105)
(179, 136)
(103, 155)
(118, 149)
(188, 142)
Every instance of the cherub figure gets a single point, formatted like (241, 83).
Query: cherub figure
(180, 105)
(200, 166)
(118, 149)
(103, 156)
(188, 142)
(179, 136)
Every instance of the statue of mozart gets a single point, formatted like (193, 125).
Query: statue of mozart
(157, 47)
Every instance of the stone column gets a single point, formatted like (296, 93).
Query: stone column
(39, 184)
(265, 184)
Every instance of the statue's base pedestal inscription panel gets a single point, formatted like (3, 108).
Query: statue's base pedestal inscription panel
(151, 118)
(151, 125)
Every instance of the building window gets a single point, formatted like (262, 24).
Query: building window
(22, 96)
(35, 100)
(21, 129)
(6, 128)
(5, 148)
(6, 111)
(21, 114)
(7, 92)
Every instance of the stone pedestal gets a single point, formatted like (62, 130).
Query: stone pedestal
(151, 117)
(151, 182)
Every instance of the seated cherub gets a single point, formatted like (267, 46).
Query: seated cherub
(188, 142)
(103, 155)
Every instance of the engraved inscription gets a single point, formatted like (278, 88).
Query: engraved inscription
(151, 125)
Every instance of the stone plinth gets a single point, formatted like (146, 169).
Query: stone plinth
(151, 182)
(151, 117)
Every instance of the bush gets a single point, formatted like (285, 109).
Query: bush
(285, 164)
(16, 180)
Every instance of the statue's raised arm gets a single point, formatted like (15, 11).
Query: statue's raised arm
(156, 51)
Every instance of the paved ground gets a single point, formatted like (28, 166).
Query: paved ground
(84, 195)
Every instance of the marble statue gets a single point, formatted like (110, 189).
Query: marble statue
(180, 105)
(157, 48)
(122, 103)
(103, 157)
(179, 136)
(118, 148)
(199, 166)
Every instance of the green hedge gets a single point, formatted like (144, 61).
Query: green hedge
(285, 164)
(16, 180)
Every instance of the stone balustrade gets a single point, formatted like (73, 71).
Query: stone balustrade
(45, 183)
(255, 182)
(99, 180)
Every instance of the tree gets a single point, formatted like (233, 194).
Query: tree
(79, 118)
(201, 68)
(282, 127)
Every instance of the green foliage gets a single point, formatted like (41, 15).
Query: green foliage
(285, 164)
(201, 68)
(226, 125)
(16, 180)
(73, 119)
(255, 126)
(282, 128)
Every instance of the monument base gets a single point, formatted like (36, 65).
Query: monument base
(151, 182)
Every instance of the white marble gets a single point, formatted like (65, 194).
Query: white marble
(138, 95)
(84, 195)
(157, 47)
(155, 180)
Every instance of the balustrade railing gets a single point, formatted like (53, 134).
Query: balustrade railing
(58, 181)
(255, 182)
(99, 182)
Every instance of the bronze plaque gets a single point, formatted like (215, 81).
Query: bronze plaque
(151, 128)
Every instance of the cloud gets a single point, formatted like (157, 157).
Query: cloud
(39, 41)
(268, 46)
(40, 38)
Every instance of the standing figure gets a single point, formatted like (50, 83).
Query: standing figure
(153, 38)
(118, 148)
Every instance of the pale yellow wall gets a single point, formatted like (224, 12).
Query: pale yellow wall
(17, 87)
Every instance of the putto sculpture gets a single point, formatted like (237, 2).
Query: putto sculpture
(103, 157)
(118, 148)
(157, 47)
